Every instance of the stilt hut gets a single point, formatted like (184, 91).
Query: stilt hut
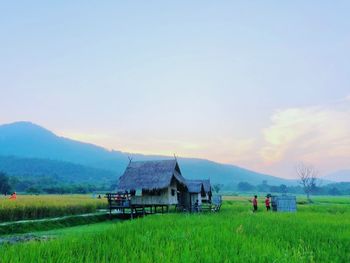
(154, 183)
(148, 185)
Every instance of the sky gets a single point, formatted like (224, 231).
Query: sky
(259, 84)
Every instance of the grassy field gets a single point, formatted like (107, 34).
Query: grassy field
(316, 233)
(44, 206)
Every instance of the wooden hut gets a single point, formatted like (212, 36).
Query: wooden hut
(200, 190)
(149, 185)
(154, 183)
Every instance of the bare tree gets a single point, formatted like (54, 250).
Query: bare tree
(308, 177)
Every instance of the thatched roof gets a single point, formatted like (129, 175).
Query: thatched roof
(207, 185)
(195, 185)
(150, 175)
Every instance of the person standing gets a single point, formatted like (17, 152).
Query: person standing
(13, 196)
(255, 203)
(267, 203)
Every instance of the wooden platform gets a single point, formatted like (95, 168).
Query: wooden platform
(123, 206)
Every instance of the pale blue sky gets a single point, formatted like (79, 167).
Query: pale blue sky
(210, 79)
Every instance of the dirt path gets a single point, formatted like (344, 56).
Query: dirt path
(51, 219)
(24, 238)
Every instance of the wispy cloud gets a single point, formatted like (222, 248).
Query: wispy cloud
(317, 134)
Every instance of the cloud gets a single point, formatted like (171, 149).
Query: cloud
(317, 134)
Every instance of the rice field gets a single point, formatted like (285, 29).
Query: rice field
(316, 233)
(46, 206)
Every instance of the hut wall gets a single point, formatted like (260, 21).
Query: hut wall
(147, 199)
(168, 196)
(195, 197)
(172, 193)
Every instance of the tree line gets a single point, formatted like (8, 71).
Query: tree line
(329, 189)
(47, 185)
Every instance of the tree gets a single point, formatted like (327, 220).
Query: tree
(5, 186)
(217, 188)
(308, 178)
(33, 190)
(274, 189)
(283, 189)
(334, 191)
(263, 187)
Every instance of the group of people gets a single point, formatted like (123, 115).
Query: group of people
(255, 203)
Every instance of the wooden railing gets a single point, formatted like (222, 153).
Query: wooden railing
(149, 200)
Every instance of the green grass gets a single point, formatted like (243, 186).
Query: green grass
(316, 233)
(83, 229)
(34, 226)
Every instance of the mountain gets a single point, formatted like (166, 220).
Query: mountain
(29, 143)
(339, 176)
(25, 139)
(61, 171)
(225, 173)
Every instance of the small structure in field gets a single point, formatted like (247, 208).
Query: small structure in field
(206, 198)
(199, 194)
(284, 203)
(195, 194)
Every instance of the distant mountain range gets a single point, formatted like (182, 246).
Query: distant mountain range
(28, 149)
(61, 171)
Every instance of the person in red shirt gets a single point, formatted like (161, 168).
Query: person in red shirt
(255, 203)
(13, 196)
(267, 203)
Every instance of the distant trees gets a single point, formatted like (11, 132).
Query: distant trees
(5, 186)
(316, 189)
(283, 189)
(334, 191)
(33, 184)
(245, 186)
(33, 190)
(308, 177)
(263, 187)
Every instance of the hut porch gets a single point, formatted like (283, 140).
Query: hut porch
(126, 205)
